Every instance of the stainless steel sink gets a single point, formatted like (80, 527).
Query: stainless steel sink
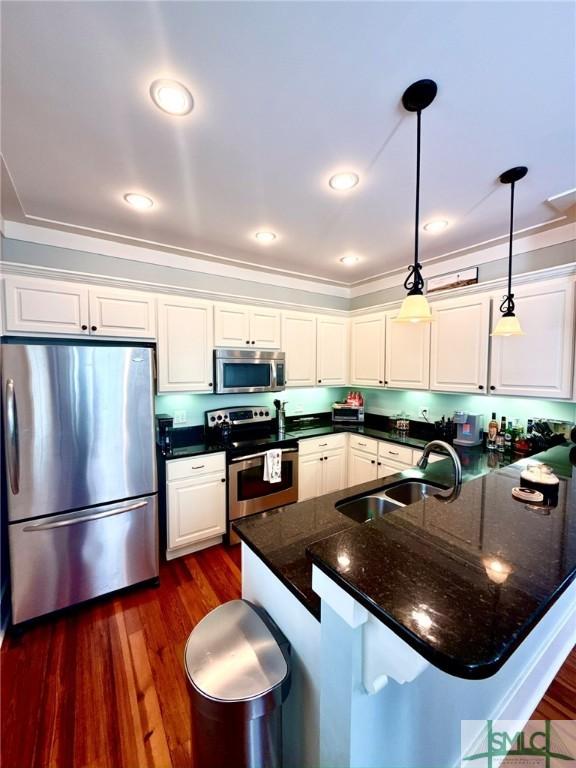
(387, 500)
(367, 508)
(412, 491)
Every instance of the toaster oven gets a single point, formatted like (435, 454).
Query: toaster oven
(347, 412)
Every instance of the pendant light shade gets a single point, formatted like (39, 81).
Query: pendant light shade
(508, 324)
(415, 307)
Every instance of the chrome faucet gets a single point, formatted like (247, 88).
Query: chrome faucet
(457, 466)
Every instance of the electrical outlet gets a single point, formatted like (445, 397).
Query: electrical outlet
(179, 417)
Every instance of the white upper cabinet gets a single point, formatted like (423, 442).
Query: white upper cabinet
(367, 350)
(299, 344)
(231, 325)
(540, 363)
(265, 328)
(407, 354)
(35, 305)
(185, 341)
(236, 325)
(332, 351)
(460, 332)
(115, 312)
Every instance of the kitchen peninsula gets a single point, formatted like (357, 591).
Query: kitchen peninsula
(434, 613)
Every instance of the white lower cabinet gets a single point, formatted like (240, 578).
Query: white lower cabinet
(321, 466)
(362, 467)
(185, 341)
(195, 503)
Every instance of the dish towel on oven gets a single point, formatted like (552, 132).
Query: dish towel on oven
(273, 465)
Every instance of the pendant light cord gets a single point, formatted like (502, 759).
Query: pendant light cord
(513, 185)
(417, 220)
(414, 282)
(507, 306)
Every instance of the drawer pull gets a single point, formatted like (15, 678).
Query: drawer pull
(200, 467)
(393, 453)
(361, 443)
(322, 445)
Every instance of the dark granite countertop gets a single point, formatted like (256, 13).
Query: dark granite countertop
(198, 445)
(433, 571)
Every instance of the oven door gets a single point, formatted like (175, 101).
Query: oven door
(249, 493)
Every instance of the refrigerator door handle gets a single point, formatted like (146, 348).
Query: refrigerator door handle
(84, 518)
(12, 449)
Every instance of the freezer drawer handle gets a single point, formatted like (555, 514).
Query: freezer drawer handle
(12, 430)
(84, 518)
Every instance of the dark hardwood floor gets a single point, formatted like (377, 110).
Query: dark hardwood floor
(103, 686)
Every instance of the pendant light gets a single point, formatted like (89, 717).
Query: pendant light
(508, 324)
(415, 307)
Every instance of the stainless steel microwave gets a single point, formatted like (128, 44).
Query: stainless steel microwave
(248, 370)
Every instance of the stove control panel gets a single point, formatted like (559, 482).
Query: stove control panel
(241, 414)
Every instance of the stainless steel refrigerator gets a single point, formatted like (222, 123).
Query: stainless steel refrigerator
(80, 472)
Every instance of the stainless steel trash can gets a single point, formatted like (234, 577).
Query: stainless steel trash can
(238, 667)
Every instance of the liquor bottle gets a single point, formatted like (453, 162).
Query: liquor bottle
(509, 437)
(500, 437)
(492, 433)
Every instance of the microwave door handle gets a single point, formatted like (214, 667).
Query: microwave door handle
(13, 448)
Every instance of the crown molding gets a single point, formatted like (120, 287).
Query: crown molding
(90, 278)
(433, 268)
(192, 262)
(562, 271)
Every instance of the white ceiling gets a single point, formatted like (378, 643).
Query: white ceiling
(286, 94)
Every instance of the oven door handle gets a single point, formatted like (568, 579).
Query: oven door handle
(263, 453)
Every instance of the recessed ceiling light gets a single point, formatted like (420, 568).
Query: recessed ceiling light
(439, 225)
(265, 237)
(350, 259)
(171, 97)
(141, 202)
(344, 181)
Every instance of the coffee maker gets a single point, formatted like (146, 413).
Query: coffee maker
(470, 428)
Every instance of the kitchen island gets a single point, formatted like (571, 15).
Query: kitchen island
(403, 626)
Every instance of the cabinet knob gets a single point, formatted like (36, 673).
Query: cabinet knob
(84, 327)
(253, 342)
(380, 381)
(94, 328)
(321, 459)
(492, 387)
(247, 341)
(319, 381)
(480, 386)
(222, 479)
(373, 461)
(379, 463)
(385, 382)
(210, 385)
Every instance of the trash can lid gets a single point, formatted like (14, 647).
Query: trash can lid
(231, 655)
